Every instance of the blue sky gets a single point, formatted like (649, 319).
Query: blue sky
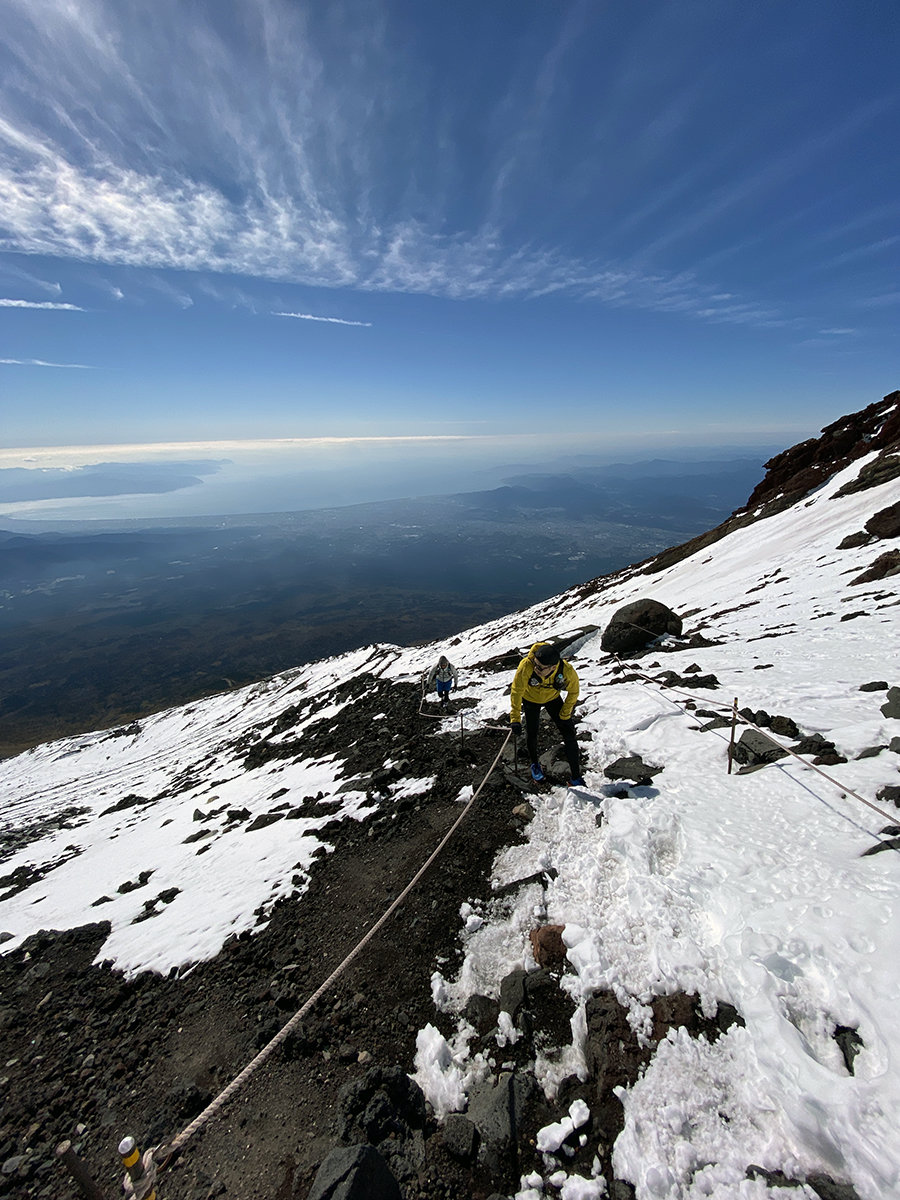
(271, 219)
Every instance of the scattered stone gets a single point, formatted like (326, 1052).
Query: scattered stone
(716, 722)
(850, 1042)
(877, 685)
(547, 945)
(460, 1137)
(853, 540)
(498, 1107)
(354, 1173)
(888, 794)
(883, 567)
(891, 843)
(632, 767)
(871, 752)
(815, 743)
(512, 992)
(885, 523)
(892, 707)
(131, 884)
(130, 801)
(482, 1012)
(824, 1187)
(754, 748)
(673, 679)
(263, 820)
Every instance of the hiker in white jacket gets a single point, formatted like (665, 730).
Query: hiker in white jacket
(443, 677)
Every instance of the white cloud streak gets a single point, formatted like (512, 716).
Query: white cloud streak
(329, 320)
(38, 362)
(51, 304)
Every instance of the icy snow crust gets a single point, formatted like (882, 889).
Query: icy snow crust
(749, 889)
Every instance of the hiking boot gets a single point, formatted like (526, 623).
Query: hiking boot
(536, 773)
(577, 781)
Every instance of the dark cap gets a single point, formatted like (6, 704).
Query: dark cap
(547, 655)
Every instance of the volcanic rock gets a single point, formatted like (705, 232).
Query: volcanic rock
(634, 626)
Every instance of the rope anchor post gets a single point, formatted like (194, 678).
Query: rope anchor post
(140, 1181)
(734, 716)
(66, 1155)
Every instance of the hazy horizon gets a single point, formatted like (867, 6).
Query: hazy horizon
(129, 482)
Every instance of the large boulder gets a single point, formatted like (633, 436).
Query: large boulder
(635, 626)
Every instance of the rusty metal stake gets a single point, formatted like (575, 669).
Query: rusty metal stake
(78, 1171)
(734, 713)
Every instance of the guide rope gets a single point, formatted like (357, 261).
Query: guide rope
(705, 700)
(239, 1080)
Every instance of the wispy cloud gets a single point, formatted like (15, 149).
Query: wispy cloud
(38, 362)
(296, 178)
(885, 300)
(329, 320)
(9, 270)
(191, 180)
(52, 304)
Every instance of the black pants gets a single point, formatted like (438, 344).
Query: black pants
(532, 715)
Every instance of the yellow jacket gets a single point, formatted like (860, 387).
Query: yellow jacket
(528, 686)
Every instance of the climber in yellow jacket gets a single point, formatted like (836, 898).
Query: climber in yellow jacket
(540, 678)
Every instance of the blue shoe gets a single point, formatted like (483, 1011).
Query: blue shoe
(577, 781)
(536, 773)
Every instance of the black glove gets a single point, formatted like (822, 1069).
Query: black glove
(516, 727)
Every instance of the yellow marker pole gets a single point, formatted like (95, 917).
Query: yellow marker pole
(141, 1181)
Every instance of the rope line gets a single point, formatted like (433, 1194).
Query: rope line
(265, 1053)
(225, 1095)
(766, 734)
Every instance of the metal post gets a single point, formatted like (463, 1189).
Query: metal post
(141, 1181)
(78, 1171)
(734, 713)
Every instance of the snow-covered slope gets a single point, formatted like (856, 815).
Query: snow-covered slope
(746, 888)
